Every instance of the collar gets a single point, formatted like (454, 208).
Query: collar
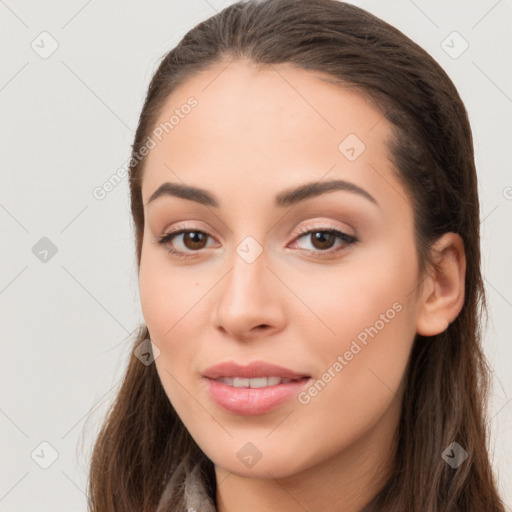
(187, 490)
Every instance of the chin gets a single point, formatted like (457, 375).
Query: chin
(262, 470)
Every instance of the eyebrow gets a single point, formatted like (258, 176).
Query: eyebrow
(286, 198)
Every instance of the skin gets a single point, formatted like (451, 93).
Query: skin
(255, 132)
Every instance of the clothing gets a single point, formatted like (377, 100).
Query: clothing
(187, 491)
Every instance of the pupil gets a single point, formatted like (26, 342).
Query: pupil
(325, 239)
(195, 238)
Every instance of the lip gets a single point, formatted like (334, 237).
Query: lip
(252, 370)
(252, 401)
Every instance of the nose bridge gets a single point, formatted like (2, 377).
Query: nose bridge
(245, 287)
(247, 297)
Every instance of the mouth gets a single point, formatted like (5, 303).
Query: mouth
(256, 388)
(238, 398)
(255, 374)
(256, 382)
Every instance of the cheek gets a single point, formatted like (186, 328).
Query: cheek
(156, 296)
(345, 302)
(363, 342)
(168, 307)
(172, 301)
(361, 372)
(361, 381)
(365, 354)
(164, 303)
(164, 291)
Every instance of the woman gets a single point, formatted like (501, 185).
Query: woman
(305, 204)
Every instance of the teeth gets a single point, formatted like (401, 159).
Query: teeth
(259, 382)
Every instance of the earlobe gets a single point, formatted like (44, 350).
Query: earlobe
(442, 295)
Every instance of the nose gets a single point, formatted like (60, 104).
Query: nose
(249, 302)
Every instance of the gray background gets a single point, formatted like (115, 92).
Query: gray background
(68, 120)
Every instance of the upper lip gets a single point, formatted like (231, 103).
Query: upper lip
(251, 370)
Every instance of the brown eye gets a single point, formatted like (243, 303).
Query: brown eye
(185, 243)
(194, 240)
(322, 239)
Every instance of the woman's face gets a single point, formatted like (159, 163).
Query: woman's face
(321, 281)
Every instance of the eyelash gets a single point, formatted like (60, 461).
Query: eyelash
(348, 239)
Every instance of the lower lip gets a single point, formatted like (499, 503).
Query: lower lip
(253, 401)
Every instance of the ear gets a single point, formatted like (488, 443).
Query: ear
(442, 294)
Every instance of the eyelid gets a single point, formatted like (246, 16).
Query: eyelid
(323, 226)
(180, 227)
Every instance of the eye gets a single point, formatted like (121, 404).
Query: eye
(323, 239)
(191, 240)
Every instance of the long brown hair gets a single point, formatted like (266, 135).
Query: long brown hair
(142, 440)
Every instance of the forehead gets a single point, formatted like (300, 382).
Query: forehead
(261, 128)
